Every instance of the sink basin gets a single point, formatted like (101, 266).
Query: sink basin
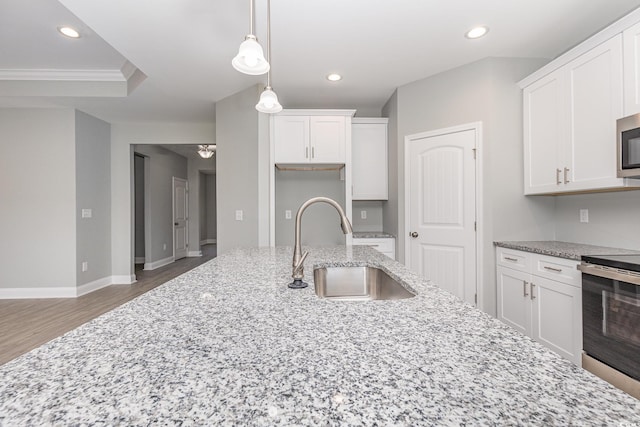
(357, 283)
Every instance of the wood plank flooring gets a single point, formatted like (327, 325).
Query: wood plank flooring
(27, 324)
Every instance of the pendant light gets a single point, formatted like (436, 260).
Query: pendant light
(250, 59)
(206, 151)
(268, 102)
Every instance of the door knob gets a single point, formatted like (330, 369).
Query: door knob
(413, 234)
(175, 223)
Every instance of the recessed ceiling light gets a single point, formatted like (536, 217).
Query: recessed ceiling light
(69, 32)
(334, 77)
(476, 33)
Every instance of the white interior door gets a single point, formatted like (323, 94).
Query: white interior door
(442, 210)
(180, 212)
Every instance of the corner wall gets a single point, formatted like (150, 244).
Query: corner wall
(38, 197)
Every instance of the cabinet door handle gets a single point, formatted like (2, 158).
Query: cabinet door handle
(524, 288)
(532, 295)
(557, 270)
(511, 259)
(558, 172)
(313, 152)
(306, 152)
(566, 179)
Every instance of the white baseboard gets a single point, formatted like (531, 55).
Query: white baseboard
(64, 292)
(93, 286)
(208, 242)
(194, 253)
(158, 264)
(139, 260)
(123, 280)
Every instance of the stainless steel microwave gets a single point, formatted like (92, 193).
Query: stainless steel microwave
(628, 153)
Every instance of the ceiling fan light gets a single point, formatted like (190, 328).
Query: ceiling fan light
(206, 151)
(268, 102)
(250, 58)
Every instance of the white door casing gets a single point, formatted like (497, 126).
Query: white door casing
(441, 208)
(180, 218)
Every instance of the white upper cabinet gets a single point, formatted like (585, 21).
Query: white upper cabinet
(631, 40)
(369, 158)
(570, 124)
(310, 139)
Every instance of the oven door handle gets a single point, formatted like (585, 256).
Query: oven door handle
(610, 273)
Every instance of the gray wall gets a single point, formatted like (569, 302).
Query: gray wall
(238, 135)
(210, 207)
(374, 215)
(483, 91)
(614, 219)
(197, 214)
(139, 206)
(320, 223)
(38, 197)
(163, 166)
(93, 191)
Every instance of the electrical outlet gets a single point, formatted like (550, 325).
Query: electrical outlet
(584, 215)
(287, 214)
(87, 213)
(363, 214)
(85, 266)
(239, 215)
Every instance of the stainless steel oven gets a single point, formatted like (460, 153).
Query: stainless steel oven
(611, 318)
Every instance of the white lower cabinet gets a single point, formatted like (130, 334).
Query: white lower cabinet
(385, 245)
(541, 297)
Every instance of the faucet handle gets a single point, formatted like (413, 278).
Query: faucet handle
(300, 263)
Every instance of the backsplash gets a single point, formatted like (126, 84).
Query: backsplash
(373, 220)
(614, 219)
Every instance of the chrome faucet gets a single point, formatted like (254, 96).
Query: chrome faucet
(298, 257)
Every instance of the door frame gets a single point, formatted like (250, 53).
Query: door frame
(408, 139)
(173, 213)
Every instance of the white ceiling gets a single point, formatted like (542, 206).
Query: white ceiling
(185, 46)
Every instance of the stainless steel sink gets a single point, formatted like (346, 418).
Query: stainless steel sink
(357, 283)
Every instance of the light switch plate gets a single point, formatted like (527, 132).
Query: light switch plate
(584, 215)
(87, 213)
(287, 214)
(239, 215)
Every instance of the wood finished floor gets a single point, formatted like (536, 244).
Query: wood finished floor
(27, 324)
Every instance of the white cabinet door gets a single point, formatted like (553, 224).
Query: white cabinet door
(514, 307)
(557, 317)
(631, 46)
(544, 133)
(595, 84)
(327, 139)
(291, 134)
(369, 161)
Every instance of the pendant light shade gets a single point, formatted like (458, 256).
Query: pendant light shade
(206, 151)
(268, 102)
(250, 59)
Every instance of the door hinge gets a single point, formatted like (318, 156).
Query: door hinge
(474, 153)
(475, 226)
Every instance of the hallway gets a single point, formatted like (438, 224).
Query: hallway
(28, 323)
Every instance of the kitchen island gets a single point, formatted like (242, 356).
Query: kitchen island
(229, 344)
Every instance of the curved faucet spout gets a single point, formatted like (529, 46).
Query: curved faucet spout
(298, 258)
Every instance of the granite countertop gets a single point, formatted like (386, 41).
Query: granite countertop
(563, 249)
(229, 344)
(372, 235)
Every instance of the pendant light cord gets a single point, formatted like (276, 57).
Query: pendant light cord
(269, 41)
(251, 17)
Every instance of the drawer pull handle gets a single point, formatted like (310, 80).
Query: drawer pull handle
(566, 171)
(558, 172)
(532, 295)
(524, 288)
(557, 270)
(511, 259)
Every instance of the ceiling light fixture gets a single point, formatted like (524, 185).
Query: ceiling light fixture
(69, 32)
(333, 77)
(477, 32)
(268, 102)
(207, 151)
(250, 59)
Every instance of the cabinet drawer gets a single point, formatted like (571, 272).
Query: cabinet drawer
(382, 245)
(559, 269)
(511, 258)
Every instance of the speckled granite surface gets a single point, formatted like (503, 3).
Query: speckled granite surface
(372, 235)
(229, 344)
(563, 249)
